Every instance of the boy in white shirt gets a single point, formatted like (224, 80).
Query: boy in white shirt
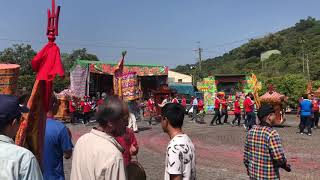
(180, 155)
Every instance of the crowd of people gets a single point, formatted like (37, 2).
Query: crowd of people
(106, 151)
(83, 108)
(222, 104)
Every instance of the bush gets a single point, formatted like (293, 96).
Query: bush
(25, 83)
(61, 84)
(293, 86)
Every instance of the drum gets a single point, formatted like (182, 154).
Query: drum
(135, 171)
(9, 74)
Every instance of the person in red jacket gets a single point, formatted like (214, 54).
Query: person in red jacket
(175, 100)
(72, 110)
(130, 144)
(101, 101)
(184, 102)
(224, 109)
(237, 111)
(200, 105)
(151, 109)
(248, 106)
(201, 110)
(217, 115)
(86, 109)
(315, 109)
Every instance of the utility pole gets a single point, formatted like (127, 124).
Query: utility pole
(303, 56)
(200, 57)
(199, 50)
(192, 68)
(308, 71)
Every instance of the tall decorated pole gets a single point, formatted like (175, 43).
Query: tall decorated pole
(47, 64)
(256, 89)
(118, 72)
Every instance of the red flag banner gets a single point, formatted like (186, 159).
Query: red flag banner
(32, 128)
(47, 63)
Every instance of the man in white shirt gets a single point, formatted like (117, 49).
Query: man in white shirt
(180, 155)
(133, 123)
(195, 109)
(97, 155)
(15, 162)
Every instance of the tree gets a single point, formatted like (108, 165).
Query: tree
(69, 59)
(19, 54)
(83, 54)
(61, 84)
(305, 24)
(293, 86)
(26, 82)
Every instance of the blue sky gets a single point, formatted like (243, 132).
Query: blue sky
(152, 31)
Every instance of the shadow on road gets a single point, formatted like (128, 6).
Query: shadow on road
(144, 128)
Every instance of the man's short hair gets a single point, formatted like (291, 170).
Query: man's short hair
(5, 123)
(111, 111)
(264, 111)
(174, 113)
(305, 96)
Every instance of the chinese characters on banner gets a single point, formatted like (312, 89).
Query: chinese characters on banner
(130, 86)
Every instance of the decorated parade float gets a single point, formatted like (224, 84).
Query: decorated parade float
(209, 89)
(317, 93)
(276, 100)
(231, 85)
(61, 104)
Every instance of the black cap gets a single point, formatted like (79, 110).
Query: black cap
(10, 108)
(265, 110)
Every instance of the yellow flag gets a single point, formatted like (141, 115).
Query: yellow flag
(256, 88)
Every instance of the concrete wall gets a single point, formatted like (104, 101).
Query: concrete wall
(175, 77)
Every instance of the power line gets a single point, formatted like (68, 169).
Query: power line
(95, 44)
(107, 44)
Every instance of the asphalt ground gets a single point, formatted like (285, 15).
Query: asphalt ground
(219, 149)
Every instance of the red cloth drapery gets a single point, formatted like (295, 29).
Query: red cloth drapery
(47, 63)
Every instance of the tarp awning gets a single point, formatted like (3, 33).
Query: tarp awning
(182, 88)
(108, 68)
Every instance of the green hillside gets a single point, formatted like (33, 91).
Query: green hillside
(284, 70)
(292, 42)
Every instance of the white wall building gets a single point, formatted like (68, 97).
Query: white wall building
(175, 77)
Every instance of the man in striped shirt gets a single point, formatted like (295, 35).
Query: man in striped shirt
(263, 151)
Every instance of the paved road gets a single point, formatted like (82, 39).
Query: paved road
(219, 150)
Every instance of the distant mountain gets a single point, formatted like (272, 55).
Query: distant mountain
(303, 39)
